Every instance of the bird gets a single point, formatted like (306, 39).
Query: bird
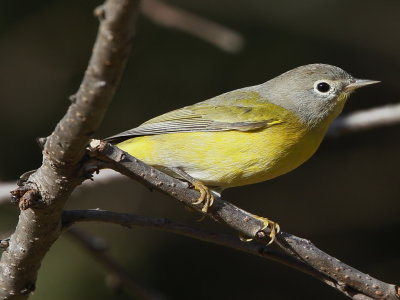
(244, 136)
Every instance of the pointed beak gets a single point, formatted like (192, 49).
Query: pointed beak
(357, 83)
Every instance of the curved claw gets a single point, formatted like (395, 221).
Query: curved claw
(244, 239)
(273, 227)
(205, 195)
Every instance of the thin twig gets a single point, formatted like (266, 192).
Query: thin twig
(242, 221)
(70, 217)
(366, 119)
(253, 247)
(118, 275)
(46, 191)
(167, 15)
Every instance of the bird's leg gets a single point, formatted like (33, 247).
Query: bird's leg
(206, 197)
(273, 227)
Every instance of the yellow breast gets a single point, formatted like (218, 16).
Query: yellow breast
(230, 158)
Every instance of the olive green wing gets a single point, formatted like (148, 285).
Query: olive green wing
(207, 116)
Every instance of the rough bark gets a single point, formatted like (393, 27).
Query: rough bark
(43, 195)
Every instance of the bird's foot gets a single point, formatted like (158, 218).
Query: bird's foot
(274, 229)
(206, 197)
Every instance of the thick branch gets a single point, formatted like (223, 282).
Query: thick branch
(50, 186)
(244, 222)
(106, 65)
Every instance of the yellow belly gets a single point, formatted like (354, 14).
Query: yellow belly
(229, 158)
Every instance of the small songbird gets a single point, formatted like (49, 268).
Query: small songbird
(247, 135)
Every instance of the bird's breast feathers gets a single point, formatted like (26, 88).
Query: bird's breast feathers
(230, 158)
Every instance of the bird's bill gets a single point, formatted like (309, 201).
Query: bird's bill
(357, 83)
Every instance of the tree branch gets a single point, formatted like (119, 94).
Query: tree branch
(70, 217)
(366, 119)
(216, 34)
(348, 278)
(118, 275)
(46, 191)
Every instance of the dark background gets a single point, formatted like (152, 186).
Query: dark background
(345, 199)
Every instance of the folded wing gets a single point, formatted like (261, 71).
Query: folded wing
(205, 116)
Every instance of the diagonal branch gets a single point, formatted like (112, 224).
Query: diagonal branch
(45, 192)
(216, 34)
(348, 278)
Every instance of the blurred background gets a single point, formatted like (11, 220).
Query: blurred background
(345, 199)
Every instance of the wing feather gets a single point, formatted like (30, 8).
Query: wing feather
(205, 117)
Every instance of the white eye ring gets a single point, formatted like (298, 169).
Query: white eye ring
(323, 87)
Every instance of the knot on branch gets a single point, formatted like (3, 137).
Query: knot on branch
(41, 142)
(26, 198)
(4, 243)
(73, 98)
(100, 12)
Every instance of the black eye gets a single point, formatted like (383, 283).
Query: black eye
(323, 87)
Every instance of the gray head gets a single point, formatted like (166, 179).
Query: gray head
(315, 92)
